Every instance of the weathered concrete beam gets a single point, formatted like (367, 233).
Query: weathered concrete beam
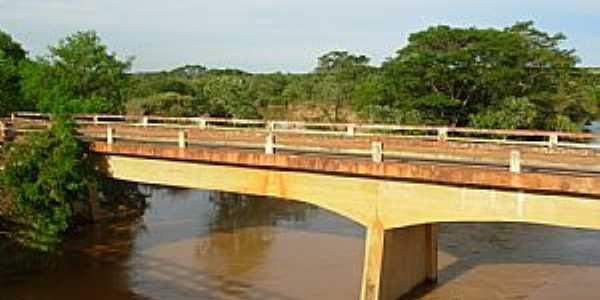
(389, 169)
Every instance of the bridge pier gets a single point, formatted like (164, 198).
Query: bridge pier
(398, 260)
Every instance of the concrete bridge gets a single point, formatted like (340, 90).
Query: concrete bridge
(397, 181)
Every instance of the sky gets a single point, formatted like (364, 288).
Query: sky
(280, 35)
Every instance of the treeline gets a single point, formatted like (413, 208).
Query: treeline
(514, 77)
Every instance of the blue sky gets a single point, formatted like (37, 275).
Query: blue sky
(280, 35)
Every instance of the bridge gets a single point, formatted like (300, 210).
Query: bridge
(396, 181)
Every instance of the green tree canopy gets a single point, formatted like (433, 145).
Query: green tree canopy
(448, 74)
(11, 56)
(189, 71)
(229, 95)
(340, 61)
(340, 70)
(10, 48)
(43, 176)
(79, 75)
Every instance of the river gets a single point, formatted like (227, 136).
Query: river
(193, 244)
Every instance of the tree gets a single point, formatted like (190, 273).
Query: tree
(12, 50)
(340, 61)
(42, 178)
(79, 75)
(189, 71)
(11, 56)
(512, 113)
(339, 71)
(267, 89)
(377, 99)
(228, 95)
(452, 73)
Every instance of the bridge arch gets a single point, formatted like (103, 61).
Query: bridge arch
(395, 204)
(343, 200)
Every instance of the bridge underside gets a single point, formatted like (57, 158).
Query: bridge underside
(399, 216)
(367, 201)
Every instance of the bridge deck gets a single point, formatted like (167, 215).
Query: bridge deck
(551, 181)
(469, 157)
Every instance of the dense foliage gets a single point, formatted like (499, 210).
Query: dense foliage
(79, 75)
(515, 77)
(11, 56)
(476, 77)
(43, 177)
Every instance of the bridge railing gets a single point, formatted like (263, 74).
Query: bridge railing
(440, 133)
(540, 149)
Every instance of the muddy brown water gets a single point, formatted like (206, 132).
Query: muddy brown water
(194, 244)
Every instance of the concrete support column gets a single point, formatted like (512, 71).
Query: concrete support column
(398, 260)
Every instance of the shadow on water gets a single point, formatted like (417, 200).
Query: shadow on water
(92, 265)
(237, 247)
(112, 260)
(468, 248)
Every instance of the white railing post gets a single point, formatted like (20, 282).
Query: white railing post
(95, 119)
(202, 123)
(553, 140)
(183, 139)
(377, 152)
(270, 126)
(515, 161)
(270, 144)
(145, 121)
(350, 129)
(442, 134)
(13, 116)
(110, 135)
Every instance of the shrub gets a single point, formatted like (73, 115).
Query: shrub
(43, 176)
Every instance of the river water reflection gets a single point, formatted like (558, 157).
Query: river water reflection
(205, 245)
